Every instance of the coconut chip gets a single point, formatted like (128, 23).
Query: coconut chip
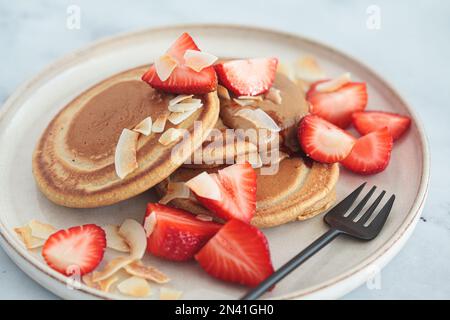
(144, 127)
(114, 240)
(103, 285)
(244, 102)
(178, 117)
(160, 123)
(307, 69)
(223, 92)
(259, 118)
(204, 186)
(198, 60)
(333, 85)
(204, 217)
(149, 224)
(41, 230)
(134, 287)
(175, 190)
(125, 155)
(255, 98)
(274, 95)
(164, 66)
(111, 268)
(187, 105)
(25, 235)
(171, 135)
(134, 234)
(180, 98)
(146, 272)
(169, 294)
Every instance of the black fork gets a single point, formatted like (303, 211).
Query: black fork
(341, 222)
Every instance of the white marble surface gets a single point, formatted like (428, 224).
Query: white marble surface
(411, 50)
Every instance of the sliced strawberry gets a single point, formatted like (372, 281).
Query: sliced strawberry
(338, 106)
(238, 253)
(183, 79)
(323, 141)
(177, 234)
(371, 153)
(77, 249)
(369, 121)
(237, 184)
(247, 77)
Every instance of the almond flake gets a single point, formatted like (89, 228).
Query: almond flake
(111, 268)
(198, 60)
(114, 240)
(223, 92)
(160, 123)
(204, 217)
(25, 235)
(134, 234)
(41, 230)
(164, 66)
(178, 117)
(204, 186)
(125, 156)
(333, 85)
(180, 98)
(134, 287)
(169, 294)
(144, 127)
(274, 95)
(146, 272)
(175, 190)
(149, 224)
(309, 70)
(245, 102)
(191, 104)
(259, 118)
(171, 135)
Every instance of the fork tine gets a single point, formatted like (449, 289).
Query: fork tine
(345, 204)
(380, 219)
(361, 204)
(366, 216)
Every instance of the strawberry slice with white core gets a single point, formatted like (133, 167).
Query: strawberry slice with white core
(323, 141)
(238, 253)
(177, 235)
(75, 250)
(248, 77)
(237, 184)
(369, 121)
(371, 153)
(181, 78)
(338, 106)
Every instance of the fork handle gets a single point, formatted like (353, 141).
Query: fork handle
(292, 264)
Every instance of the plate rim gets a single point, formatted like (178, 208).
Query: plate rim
(387, 251)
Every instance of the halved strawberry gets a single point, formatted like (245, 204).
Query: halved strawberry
(177, 234)
(237, 185)
(369, 121)
(323, 141)
(239, 252)
(183, 79)
(338, 106)
(77, 249)
(248, 77)
(371, 153)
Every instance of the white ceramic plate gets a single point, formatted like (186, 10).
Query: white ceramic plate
(334, 271)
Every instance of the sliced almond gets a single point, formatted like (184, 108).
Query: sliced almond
(171, 135)
(160, 123)
(204, 186)
(223, 92)
(41, 230)
(198, 60)
(144, 127)
(134, 287)
(259, 118)
(178, 117)
(192, 104)
(114, 240)
(175, 190)
(103, 285)
(204, 217)
(274, 95)
(111, 268)
(244, 102)
(164, 66)
(307, 69)
(146, 272)
(25, 235)
(125, 156)
(333, 85)
(169, 294)
(180, 98)
(134, 234)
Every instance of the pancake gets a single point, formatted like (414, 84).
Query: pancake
(73, 163)
(296, 192)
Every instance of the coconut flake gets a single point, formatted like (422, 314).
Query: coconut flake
(307, 69)
(138, 269)
(134, 234)
(164, 66)
(179, 98)
(41, 230)
(333, 85)
(114, 240)
(171, 135)
(111, 268)
(149, 224)
(204, 186)
(134, 287)
(259, 118)
(144, 127)
(187, 105)
(198, 60)
(125, 156)
(175, 190)
(103, 285)
(244, 102)
(160, 123)
(169, 294)
(178, 117)
(274, 95)
(25, 235)
(223, 92)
